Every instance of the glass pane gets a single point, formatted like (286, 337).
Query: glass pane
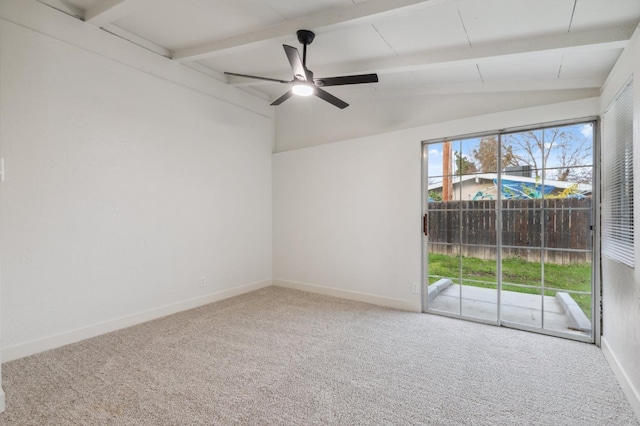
(434, 155)
(563, 312)
(475, 187)
(570, 182)
(567, 223)
(444, 279)
(520, 270)
(482, 153)
(465, 160)
(479, 283)
(478, 227)
(521, 226)
(522, 287)
(476, 165)
(567, 270)
(567, 281)
(579, 187)
(434, 159)
(522, 307)
(442, 183)
(567, 147)
(522, 163)
(443, 223)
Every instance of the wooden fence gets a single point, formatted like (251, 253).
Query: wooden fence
(558, 229)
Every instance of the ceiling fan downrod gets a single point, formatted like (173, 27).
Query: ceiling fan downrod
(305, 37)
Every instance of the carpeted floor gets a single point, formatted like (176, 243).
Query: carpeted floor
(278, 356)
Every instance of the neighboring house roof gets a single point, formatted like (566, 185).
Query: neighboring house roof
(582, 187)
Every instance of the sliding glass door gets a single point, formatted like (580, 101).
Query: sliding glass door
(508, 229)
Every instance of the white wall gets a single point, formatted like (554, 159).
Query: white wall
(304, 122)
(2, 394)
(621, 284)
(347, 215)
(123, 187)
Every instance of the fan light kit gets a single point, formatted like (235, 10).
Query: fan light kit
(302, 89)
(303, 83)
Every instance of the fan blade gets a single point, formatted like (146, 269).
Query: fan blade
(257, 78)
(283, 98)
(349, 79)
(299, 71)
(330, 98)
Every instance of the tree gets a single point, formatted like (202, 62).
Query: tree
(580, 175)
(435, 196)
(487, 155)
(554, 148)
(570, 154)
(464, 166)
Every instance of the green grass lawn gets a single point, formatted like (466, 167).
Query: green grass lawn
(482, 273)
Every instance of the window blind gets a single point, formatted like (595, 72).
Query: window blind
(617, 178)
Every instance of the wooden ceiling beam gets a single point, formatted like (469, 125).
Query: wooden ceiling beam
(585, 41)
(109, 11)
(355, 12)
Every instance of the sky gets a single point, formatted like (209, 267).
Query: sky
(580, 133)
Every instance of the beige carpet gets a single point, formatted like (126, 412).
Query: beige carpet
(278, 356)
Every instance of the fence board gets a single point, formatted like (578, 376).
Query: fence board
(561, 223)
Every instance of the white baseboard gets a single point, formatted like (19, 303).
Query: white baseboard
(352, 295)
(627, 386)
(2, 401)
(55, 341)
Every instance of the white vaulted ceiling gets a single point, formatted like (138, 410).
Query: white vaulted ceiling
(419, 48)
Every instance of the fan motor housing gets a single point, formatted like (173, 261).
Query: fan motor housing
(305, 37)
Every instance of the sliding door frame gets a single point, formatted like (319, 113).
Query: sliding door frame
(596, 287)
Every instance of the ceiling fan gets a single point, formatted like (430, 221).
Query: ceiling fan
(303, 83)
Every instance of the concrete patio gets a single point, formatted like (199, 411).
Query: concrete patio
(520, 308)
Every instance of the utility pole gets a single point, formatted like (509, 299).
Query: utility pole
(447, 184)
